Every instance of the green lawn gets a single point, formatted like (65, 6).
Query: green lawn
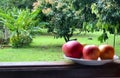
(46, 48)
(43, 48)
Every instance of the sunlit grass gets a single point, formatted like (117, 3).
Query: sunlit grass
(43, 48)
(47, 48)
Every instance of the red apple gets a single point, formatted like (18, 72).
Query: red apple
(106, 51)
(72, 49)
(91, 52)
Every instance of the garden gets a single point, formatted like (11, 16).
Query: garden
(36, 30)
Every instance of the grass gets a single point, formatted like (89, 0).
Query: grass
(43, 48)
(46, 48)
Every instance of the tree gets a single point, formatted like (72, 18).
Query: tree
(108, 13)
(61, 17)
(87, 18)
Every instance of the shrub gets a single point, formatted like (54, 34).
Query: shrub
(20, 23)
(24, 39)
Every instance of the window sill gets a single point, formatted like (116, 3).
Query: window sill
(57, 70)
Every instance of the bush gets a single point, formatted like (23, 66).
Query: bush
(24, 39)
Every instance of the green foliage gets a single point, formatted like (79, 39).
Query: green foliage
(5, 4)
(17, 21)
(24, 39)
(61, 16)
(103, 37)
(108, 13)
(84, 9)
(64, 24)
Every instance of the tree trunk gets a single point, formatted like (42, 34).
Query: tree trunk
(6, 33)
(114, 40)
(66, 38)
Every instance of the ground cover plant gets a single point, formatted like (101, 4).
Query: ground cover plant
(47, 48)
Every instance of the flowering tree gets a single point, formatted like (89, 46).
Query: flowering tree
(61, 16)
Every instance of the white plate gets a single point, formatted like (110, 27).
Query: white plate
(91, 62)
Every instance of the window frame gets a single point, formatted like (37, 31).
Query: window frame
(61, 69)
